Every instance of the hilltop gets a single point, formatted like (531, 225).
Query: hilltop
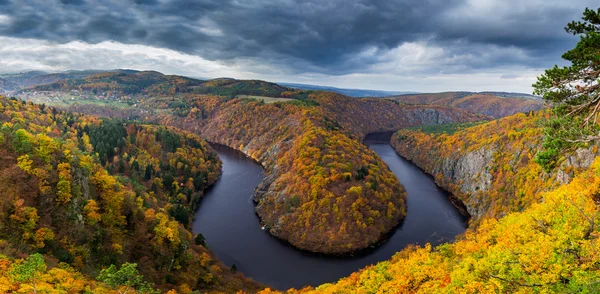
(347, 92)
(123, 84)
(34, 78)
(494, 104)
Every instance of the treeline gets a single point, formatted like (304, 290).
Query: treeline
(231, 88)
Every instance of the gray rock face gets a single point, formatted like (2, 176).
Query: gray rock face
(471, 173)
(472, 170)
(581, 158)
(428, 116)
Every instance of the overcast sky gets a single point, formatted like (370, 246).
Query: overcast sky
(404, 45)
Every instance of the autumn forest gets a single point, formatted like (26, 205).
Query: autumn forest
(104, 175)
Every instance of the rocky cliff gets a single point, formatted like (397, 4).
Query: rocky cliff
(490, 167)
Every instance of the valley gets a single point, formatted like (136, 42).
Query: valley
(415, 147)
(303, 188)
(227, 219)
(297, 141)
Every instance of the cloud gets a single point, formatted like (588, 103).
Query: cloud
(307, 38)
(4, 20)
(408, 67)
(31, 54)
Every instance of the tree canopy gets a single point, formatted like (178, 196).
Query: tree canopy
(126, 278)
(574, 92)
(29, 270)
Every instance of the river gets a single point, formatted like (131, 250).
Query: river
(227, 220)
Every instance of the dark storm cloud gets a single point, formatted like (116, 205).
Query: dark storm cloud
(318, 36)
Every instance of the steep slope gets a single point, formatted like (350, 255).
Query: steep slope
(91, 193)
(490, 167)
(495, 104)
(550, 247)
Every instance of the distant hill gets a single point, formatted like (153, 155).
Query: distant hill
(44, 79)
(151, 83)
(120, 83)
(7, 86)
(35, 78)
(347, 92)
(15, 77)
(495, 104)
(233, 87)
(116, 84)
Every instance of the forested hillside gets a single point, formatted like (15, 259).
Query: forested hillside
(316, 167)
(122, 84)
(88, 193)
(475, 163)
(310, 147)
(549, 247)
(494, 104)
(491, 167)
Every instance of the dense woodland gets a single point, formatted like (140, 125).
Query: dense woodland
(540, 245)
(88, 193)
(317, 171)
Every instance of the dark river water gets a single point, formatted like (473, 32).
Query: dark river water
(227, 220)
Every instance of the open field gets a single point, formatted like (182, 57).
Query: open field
(68, 99)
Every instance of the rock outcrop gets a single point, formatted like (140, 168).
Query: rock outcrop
(490, 167)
